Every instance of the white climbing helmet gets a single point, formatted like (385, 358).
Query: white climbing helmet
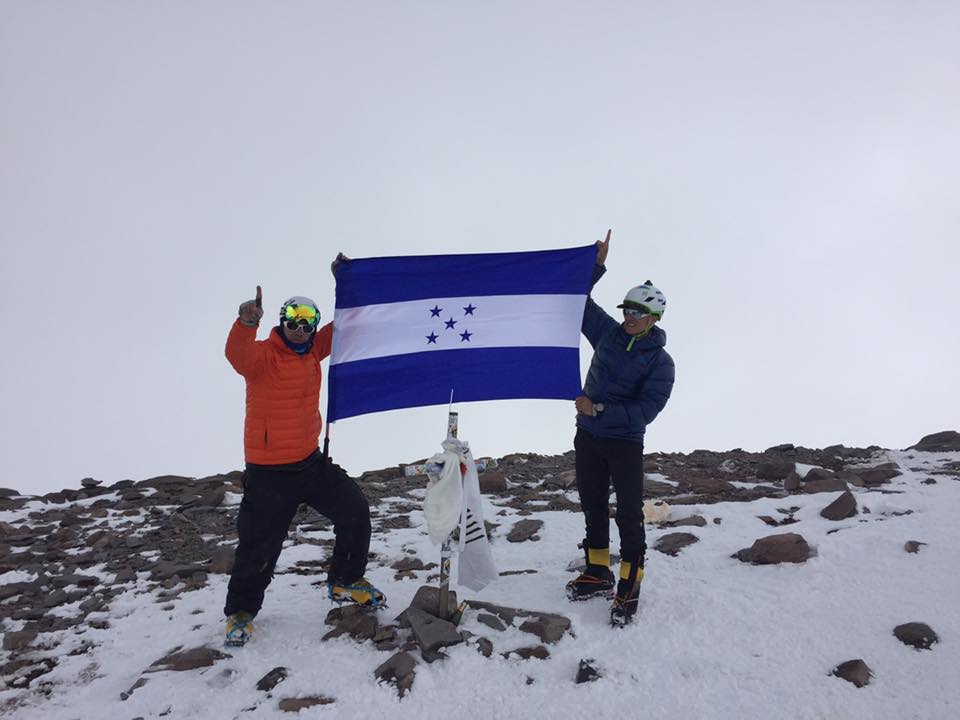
(645, 297)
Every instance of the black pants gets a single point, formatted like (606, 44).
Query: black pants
(271, 496)
(600, 461)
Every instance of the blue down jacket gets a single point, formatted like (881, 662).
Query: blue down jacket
(633, 385)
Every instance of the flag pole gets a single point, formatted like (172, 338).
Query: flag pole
(446, 551)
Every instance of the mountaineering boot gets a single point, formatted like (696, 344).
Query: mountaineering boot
(596, 580)
(359, 591)
(239, 628)
(627, 599)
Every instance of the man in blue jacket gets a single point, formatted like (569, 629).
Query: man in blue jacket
(628, 384)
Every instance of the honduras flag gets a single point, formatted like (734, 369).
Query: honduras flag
(409, 330)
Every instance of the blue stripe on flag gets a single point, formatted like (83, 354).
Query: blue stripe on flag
(416, 379)
(372, 281)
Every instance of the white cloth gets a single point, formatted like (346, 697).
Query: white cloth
(444, 501)
(475, 566)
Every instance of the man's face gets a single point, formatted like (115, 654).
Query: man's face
(637, 321)
(297, 331)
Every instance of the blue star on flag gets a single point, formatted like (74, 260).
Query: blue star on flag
(435, 312)
(450, 323)
(468, 310)
(432, 338)
(465, 336)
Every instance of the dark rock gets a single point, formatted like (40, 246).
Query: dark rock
(775, 469)
(691, 521)
(430, 632)
(492, 481)
(484, 647)
(874, 476)
(408, 563)
(773, 549)
(854, 671)
(399, 670)
(89, 482)
(136, 686)
(355, 621)
(818, 473)
(273, 678)
(180, 660)
(427, 598)
(842, 508)
(548, 627)
(791, 483)
(586, 672)
(917, 634)
(19, 639)
(913, 546)
(525, 530)
(563, 481)
(833, 484)
(534, 651)
(491, 621)
(221, 560)
(673, 543)
(298, 704)
(945, 441)
(431, 656)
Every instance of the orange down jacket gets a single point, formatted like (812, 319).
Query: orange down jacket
(283, 394)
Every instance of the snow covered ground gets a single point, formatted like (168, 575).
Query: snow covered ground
(714, 637)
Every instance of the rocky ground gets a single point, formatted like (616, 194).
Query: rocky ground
(66, 557)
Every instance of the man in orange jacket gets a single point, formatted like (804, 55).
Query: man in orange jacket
(284, 465)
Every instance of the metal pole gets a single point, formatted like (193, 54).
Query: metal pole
(446, 551)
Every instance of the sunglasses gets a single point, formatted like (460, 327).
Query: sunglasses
(636, 313)
(304, 325)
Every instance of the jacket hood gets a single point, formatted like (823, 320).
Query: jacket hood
(656, 338)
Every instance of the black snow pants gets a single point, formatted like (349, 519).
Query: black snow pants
(271, 496)
(598, 462)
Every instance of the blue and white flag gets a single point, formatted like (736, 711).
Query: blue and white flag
(408, 330)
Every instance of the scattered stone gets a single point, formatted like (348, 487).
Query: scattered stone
(221, 561)
(775, 469)
(563, 481)
(874, 476)
(913, 546)
(791, 483)
(525, 530)
(180, 660)
(89, 482)
(399, 670)
(491, 621)
(832, 484)
(534, 651)
(430, 632)
(427, 598)
(19, 639)
(273, 678)
(484, 646)
(136, 686)
(353, 620)
(298, 704)
(691, 521)
(672, 543)
(773, 549)
(492, 481)
(854, 671)
(842, 508)
(547, 626)
(945, 441)
(916, 634)
(586, 672)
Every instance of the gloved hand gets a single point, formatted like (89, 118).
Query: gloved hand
(251, 311)
(336, 262)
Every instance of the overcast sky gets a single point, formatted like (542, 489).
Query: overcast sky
(787, 173)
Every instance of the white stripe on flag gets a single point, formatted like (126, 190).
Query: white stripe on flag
(459, 323)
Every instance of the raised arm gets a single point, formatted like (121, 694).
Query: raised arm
(243, 351)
